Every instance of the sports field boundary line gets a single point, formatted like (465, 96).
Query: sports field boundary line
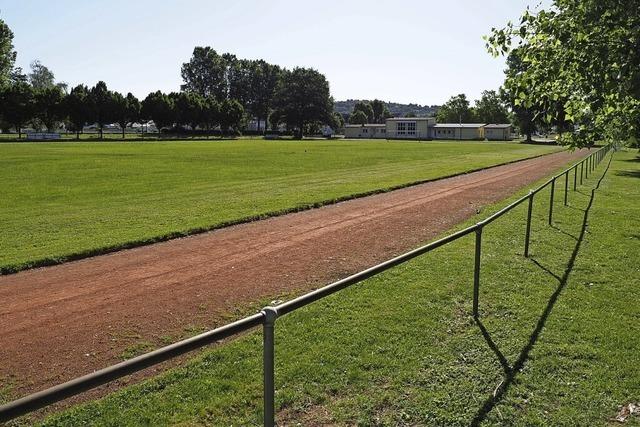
(132, 244)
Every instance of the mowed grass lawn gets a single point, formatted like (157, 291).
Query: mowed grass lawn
(560, 343)
(61, 199)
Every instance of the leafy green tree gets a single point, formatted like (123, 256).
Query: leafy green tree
(188, 109)
(337, 121)
(158, 107)
(7, 55)
(49, 106)
(378, 107)
(367, 109)
(210, 113)
(264, 81)
(581, 67)
(103, 106)
(385, 114)
(77, 108)
(455, 110)
(40, 76)
(358, 117)
(490, 108)
(303, 97)
(18, 105)
(239, 77)
(526, 118)
(231, 115)
(206, 74)
(127, 110)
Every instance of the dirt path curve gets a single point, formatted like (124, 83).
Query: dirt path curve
(59, 322)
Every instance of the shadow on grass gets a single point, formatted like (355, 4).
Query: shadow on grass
(575, 208)
(564, 232)
(634, 160)
(546, 270)
(512, 371)
(629, 174)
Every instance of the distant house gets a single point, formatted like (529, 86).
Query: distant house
(369, 131)
(497, 132)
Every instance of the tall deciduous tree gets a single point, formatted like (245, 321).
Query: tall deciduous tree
(127, 110)
(206, 74)
(231, 115)
(188, 109)
(77, 108)
(49, 106)
(581, 67)
(380, 111)
(158, 107)
(103, 106)
(358, 117)
(7, 55)
(210, 113)
(264, 81)
(17, 105)
(40, 76)
(367, 109)
(303, 97)
(455, 110)
(490, 108)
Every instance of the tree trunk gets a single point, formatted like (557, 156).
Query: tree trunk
(101, 132)
(529, 138)
(300, 132)
(123, 132)
(19, 132)
(78, 134)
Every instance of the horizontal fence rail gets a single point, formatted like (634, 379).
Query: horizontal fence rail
(268, 316)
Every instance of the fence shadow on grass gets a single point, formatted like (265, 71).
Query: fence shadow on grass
(512, 371)
(629, 174)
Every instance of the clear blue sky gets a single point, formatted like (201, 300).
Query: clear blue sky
(419, 51)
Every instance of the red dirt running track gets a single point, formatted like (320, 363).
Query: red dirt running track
(59, 322)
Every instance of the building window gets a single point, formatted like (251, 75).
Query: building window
(365, 130)
(406, 128)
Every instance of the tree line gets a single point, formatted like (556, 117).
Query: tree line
(492, 107)
(219, 91)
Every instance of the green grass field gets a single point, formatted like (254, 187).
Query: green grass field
(403, 349)
(62, 200)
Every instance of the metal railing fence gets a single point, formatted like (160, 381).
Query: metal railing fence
(267, 317)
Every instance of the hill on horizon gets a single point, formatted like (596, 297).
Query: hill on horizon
(396, 108)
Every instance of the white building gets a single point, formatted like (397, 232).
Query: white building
(497, 132)
(426, 128)
(409, 128)
(464, 131)
(368, 131)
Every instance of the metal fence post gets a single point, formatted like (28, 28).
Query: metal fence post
(575, 177)
(553, 190)
(528, 232)
(268, 357)
(586, 168)
(581, 171)
(566, 187)
(476, 272)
